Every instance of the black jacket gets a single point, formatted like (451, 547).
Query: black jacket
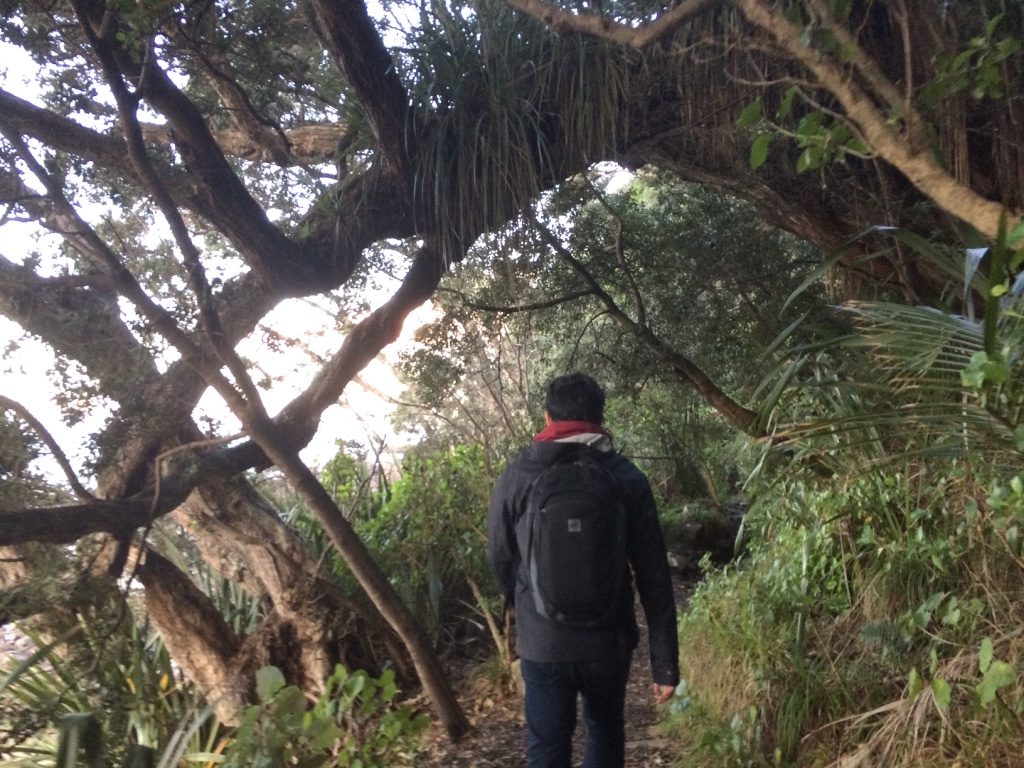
(538, 639)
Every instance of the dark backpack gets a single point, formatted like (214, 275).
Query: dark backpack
(572, 538)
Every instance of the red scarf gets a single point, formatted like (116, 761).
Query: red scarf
(557, 430)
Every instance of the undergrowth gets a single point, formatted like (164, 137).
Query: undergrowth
(876, 623)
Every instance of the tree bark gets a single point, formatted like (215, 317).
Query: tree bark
(197, 637)
(372, 579)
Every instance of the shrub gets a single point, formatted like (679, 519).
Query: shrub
(353, 723)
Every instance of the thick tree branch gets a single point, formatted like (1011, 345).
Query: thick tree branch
(67, 524)
(503, 309)
(313, 143)
(350, 36)
(173, 602)
(916, 162)
(62, 133)
(381, 327)
(639, 36)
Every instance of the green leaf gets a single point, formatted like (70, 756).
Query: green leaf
(1018, 438)
(990, 27)
(985, 655)
(997, 371)
(999, 675)
(915, 684)
(809, 125)
(1000, 289)
(942, 692)
(840, 9)
(867, 538)
(326, 736)
(290, 705)
(357, 683)
(858, 146)
(961, 61)
(810, 158)
(803, 162)
(787, 106)
(1016, 235)
(751, 114)
(759, 150)
(269, 681)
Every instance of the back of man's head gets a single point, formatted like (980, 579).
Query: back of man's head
(575, 397)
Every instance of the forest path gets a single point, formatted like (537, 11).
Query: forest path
(498, 735)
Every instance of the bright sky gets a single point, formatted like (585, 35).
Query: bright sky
(363, 414)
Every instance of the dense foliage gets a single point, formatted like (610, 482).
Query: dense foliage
(188, 173)
(875, 613)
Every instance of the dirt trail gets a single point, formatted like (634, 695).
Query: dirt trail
(498, 738)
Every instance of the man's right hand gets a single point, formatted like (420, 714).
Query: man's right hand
(662, 693)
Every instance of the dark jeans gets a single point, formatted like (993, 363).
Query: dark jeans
(551, 690)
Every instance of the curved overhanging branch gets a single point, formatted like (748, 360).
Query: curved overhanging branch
(908, 149)
(639, 36)
(381, 327)
(740, 417)
(908, 152)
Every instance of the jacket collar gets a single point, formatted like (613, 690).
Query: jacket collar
(585, 432)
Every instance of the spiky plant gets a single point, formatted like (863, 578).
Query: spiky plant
(101, 682)
(916, 381)
(541, 103)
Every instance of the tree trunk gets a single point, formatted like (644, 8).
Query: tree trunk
(196, 635)
(371, 578)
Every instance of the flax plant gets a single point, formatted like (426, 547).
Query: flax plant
(541, 103)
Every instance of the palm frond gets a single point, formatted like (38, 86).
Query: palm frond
(907, 397)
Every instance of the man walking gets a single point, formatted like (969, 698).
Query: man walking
(564, 499)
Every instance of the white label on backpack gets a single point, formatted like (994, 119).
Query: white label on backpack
(575, 525)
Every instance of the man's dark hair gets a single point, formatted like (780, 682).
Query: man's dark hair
(575, 397)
